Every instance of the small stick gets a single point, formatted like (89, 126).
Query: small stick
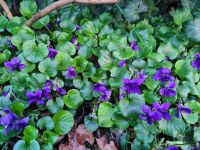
(6, 9)
(61, 3)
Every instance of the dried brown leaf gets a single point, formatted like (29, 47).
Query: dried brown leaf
(77, 137)
(103, 144)
(110, 146)
(82, 135)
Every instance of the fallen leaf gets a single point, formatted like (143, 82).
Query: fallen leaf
(103, 144)
(82, 135)
(77, 137)
(110, 146)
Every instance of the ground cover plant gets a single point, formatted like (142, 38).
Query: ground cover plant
(123, 75)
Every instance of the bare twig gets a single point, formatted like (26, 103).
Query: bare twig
(61, 3)
(6, 9)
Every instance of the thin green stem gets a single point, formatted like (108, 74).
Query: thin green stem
(121, 11)
(47, 29)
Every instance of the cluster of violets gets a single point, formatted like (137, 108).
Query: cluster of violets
(196, 62)
(164, 76)
(133, 86)
(160, 111)
(11, 122)
(100, 88)
(52, 52)
(49, 89)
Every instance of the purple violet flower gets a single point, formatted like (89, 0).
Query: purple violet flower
(105, 95)
(21, 124)
(49, 83)
(4, 94)
(182, 109)
(10, 121)
(134, 46)
(71, 73)
(47, 92)
(14, 64)
(35, 97)
(99, 87)
(10, 43)
(161, 109)
(47, 89)
(172, 148)
(163, 75)
(122, 94)
(78, 27)
(78, 46)
(60, 91)
(141, 77)
(122, 63)
(168, 91)
(132, 86)
(7, 117)
(52, 52)
(149, 115)
(74, 41)
(196, 62)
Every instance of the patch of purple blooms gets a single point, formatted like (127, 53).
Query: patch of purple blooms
(100, 88)
(172, 148)
(182, 109)
(196, 62)
(71, 73)
(159, 112)
(168, 91)
(47, 90)
(132, 86)
(78, 27)
(149, 116)
(10, 43)
(134, 46)
(162, 110)
(52, 52)
(122, 94)
(74, 41)
(11, 122)
(163, 75)
(14, 64)
(60, 91)
(35, 97)
(122, 63)
(78, 46)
